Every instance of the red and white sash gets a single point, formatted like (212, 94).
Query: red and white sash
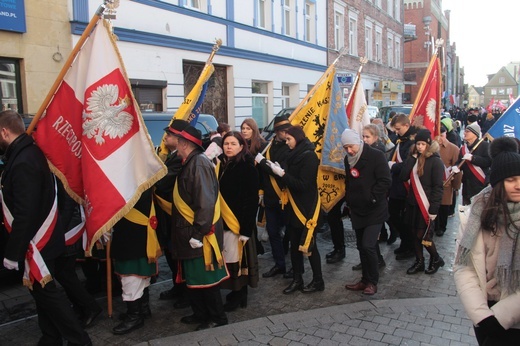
(35, 267)
(476, 170)
(420, 195)
(73, 235)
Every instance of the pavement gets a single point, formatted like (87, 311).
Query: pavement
(407, 309)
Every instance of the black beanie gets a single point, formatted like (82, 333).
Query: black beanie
(423, 135)
(297, 133)
(506, 160)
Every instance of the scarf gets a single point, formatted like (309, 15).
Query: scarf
(507, 271)
(352, 160)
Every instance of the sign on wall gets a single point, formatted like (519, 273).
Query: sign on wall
(12, 15)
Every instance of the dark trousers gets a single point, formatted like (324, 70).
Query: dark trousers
(65, 273)
(55, 315)
(366, 242)
(274, 223)
(207, 305)
(442, 218)
(297, 255)
(335, 222)
(396, 209)
(453, 203)
(508, 338)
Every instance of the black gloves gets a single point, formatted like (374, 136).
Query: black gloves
(490, 326)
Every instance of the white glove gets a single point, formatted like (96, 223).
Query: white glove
(213, 151)
(390, 164)
(455, 169)
(107, 236)
(195, 244)
(10, 265)
(432, 217)
(243, 238)
(259, 157)
(261, 200)
(277, 169)
(467, 157)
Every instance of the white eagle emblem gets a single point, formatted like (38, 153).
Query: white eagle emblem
(105, 117)
(430, 110)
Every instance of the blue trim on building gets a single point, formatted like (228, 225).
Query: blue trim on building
(230, 15)
(272, 16)
(80, 10)
(255, 13)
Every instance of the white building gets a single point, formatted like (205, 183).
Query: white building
(273, 51)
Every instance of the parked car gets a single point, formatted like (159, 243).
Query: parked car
(372, 111)
(268, 132)
(156, 122)
(384, 112)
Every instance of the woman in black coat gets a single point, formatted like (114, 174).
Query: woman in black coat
(368, 180)
(425, 170)
(299, 173)
(238, 181)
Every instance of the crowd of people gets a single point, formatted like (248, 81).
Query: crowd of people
(209, 204)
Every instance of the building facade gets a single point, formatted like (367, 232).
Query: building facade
(475, 97)
(373, 29)
(500, 87)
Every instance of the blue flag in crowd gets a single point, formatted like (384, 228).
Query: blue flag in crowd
(337, 121)
(194, 115)
(508, 124)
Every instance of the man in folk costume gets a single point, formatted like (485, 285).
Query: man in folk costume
(197, 232)
(398, 191)
(163, 197)
(477, 162)
(272, 198)
(29, 204)
(135, 250)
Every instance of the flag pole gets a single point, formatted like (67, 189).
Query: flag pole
(318, 83)
(66, 66)
(363, 61)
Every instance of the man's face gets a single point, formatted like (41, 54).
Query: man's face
(183, 148)
(351, 149)
(469, 136)
(401, 129)
(281, 135)
(3, 140)
(170, 141)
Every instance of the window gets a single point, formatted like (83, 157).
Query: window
(502, 80)
(10, 85)
(260, 99)
(509, 91)
(378, 3)
(379, 45)
(310, 24)
(493, 91)
(285, 96)
(390, 7)
(397, 43)
(286, 17)
(368, 41)
(261, 13)
(352, 36)
(338, 30)
(149, 94)
(390, 51)
(501, 91)
(397, 10)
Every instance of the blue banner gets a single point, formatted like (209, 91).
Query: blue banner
(508, 124)
(194, 115)
(12, 15)
(333, 152)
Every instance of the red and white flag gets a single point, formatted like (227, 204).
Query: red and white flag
(426, 110)
(356, 107)
(94, 137)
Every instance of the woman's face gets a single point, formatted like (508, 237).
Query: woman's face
(368, 138)
(291, 142)
(247, 131)
(421, 146)
(512, 187)
(231, 147)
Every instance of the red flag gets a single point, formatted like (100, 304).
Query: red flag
(426, 110)
(490, 105)
(94, 137)
(357, 111)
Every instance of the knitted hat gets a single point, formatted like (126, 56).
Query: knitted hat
(472, 118)
(350, 137)
(475, 128)
(281, 123)
(506, 160)
(448, 123)
(297, 133)
(423, 135)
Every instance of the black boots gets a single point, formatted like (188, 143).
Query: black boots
(133, 319)
(236, 299)
(146, 312)
(296, 285)
(417, 267)
(335, 256)
(435, 264)
(314, 286)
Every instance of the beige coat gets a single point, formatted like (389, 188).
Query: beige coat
(449, 155)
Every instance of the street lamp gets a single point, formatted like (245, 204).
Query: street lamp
(426, 21)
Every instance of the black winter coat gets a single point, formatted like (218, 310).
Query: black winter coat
(367, 185)
(277, 152)
(404, 143)
(301, 171)
(28, 192)
(470, 184)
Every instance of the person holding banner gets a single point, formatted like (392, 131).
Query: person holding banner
(488, 253)
(238, 182)
(299, 173)
(367, 179)
(476, 163)
(197, 233)
(425, 170)
(29, 204)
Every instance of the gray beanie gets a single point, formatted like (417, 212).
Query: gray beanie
(349, 137)
(475, 128)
